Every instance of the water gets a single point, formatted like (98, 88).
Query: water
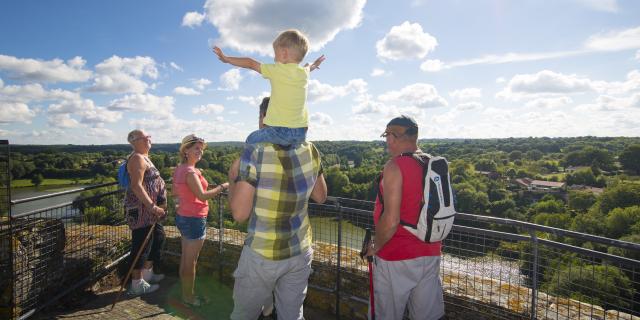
(325, 229)
(22, 193)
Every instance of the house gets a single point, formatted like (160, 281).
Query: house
(490, 174)
(541, 185)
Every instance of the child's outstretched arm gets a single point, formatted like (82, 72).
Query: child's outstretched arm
(241, 62)
(315, 64)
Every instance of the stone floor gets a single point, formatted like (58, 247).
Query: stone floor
(162, 304)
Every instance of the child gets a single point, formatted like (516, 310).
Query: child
(287, 118)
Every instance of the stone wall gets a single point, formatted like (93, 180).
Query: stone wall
(466, 296)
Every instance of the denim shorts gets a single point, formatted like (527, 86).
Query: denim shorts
(278, 135)
(191, 228)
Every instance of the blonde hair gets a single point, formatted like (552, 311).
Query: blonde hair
(188, 142)
(293, 39)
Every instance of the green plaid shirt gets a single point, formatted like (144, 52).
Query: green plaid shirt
(284, 178)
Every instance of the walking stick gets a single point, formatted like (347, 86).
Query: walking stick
(365, 247)
(135, 260)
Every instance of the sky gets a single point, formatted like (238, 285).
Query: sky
(88, 72)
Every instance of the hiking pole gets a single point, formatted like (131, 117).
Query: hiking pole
(135, 260)
(365, 248)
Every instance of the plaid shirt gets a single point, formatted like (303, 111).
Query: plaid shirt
(284, 178)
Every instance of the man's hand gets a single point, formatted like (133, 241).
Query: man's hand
(315, 64)
(220, 54)
(371, 249)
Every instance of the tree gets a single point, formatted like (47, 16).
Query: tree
(630, 158)
(533, 155)
(549, 206)
(622, 195)
(581, 200)
(515, 155)
(37, 179)
(620, 221)
(556, 220)
(485, 165)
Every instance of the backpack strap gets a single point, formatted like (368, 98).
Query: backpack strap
(423, 159)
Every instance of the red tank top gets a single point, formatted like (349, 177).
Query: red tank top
(403, 245)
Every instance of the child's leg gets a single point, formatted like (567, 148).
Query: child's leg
(266, 134)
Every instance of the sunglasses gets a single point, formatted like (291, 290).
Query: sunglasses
(142, 137)
(195, 139)
(387, 133)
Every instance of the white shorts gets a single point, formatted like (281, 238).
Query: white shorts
(411, 283)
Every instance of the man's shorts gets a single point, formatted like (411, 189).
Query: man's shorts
(191, 228)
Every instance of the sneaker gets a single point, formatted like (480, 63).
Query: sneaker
(267, 310)
(143, 288)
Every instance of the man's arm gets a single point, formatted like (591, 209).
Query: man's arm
(388, 223)
(241, 62)
(240, 194)
(319, 192)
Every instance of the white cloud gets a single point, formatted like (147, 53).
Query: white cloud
(319, 119)
(609, 103)
(192, 19)
(322, 92)
(55, 70)
(432, 65)
(501, 80)
(544, 82)
(15, 112)
(208, 109)
(34, 92)
(99, 115)
(420, 95)
(549, 103)
(186, 91)
(230, 80)
(376, 72)
(638, 55)
(470, 106)
(156, 107)
(615, 40)
(365, 103)
(632, 83)
(406, 41)
(251, 26)
(176, 66)
(62, 121)
(101, 133)
(466, 94)
(201, 83)
(600, 5)
(123, 75)
(254, 101)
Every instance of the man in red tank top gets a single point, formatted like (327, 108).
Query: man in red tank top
(406, 269)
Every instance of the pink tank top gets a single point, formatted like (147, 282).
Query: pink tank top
(403, 245)
(188, 204)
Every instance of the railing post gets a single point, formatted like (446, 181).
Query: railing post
(5, 166)
(220, 236)
(338, 280)
(534, 268)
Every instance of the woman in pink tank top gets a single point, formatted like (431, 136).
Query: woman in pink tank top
(192, 208)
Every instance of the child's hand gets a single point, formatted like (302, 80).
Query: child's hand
(220, 54)
(315, 64)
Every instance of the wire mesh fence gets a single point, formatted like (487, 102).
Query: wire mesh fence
(496, 268)
(58, 249)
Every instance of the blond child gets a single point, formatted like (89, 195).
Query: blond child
(287, 117)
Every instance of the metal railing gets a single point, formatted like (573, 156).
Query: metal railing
(62, 247)
(499, 268)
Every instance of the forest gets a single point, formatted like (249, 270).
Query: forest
(585, 184)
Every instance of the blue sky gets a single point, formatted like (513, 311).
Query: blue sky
(87, 72)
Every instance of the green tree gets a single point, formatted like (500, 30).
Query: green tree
(549, 206)
(581, 200)
(630, 158)
(515, 155)
(622, 195)
(485, 165)
(619, 221)
(336, 180)
(533, 155)
(37, 179)
(556, 220)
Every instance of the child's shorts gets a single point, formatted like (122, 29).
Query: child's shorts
(278, 135)
(191, 228)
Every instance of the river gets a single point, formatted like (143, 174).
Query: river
(28, 192)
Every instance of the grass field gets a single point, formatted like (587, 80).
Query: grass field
(19, 183)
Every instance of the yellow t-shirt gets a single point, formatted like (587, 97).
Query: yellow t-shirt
(288, 103)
